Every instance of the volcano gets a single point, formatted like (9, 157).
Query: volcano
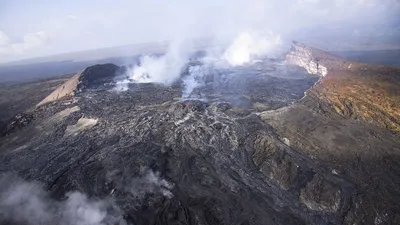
(309, 138)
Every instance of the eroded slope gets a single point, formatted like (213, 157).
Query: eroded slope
(354, 90)
(348, 122)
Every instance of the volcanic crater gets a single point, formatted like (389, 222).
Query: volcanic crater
(263, 143)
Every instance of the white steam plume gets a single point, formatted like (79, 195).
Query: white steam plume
(249, 46)
(150, 182)
(164, 69)
(28, 203)
(23, 202)
(122, 85)
(193, 80)
(212, 19)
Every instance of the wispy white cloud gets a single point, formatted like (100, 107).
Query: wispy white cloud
(4, 40)
(74, 27)
(72, 17)
(30, 42)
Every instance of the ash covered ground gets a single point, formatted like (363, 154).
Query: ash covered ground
(210, 148)
(164, 154)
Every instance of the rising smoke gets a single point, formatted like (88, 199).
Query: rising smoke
(149, 182)
(162, 69)
(194, 80)
(245, 31)
(27, 202)
(249, 46)
(166, 69)
(129, 22)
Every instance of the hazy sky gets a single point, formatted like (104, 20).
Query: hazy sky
(44, 27)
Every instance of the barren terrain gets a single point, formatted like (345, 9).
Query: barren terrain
(266, 143)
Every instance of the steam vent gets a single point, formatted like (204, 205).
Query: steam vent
(310, 138)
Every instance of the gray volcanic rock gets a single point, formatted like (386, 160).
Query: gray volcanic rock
(90, 77)
(315, 61)
(97, 75)
(246, 152)
(349, 122)
(93, 77)
(321, 195)
(19, 121)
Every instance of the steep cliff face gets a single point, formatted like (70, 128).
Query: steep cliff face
(313, 60)
(350, 121)
(354, 90)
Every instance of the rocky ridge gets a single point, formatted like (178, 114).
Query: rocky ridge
(354, 90)
(349, 121)
(84, 79)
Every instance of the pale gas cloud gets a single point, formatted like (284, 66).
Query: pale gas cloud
(30, 42)
(72, 17)
(28, 202)
(80, 26)
(4, 40)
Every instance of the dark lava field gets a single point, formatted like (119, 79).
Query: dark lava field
(155, 155)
